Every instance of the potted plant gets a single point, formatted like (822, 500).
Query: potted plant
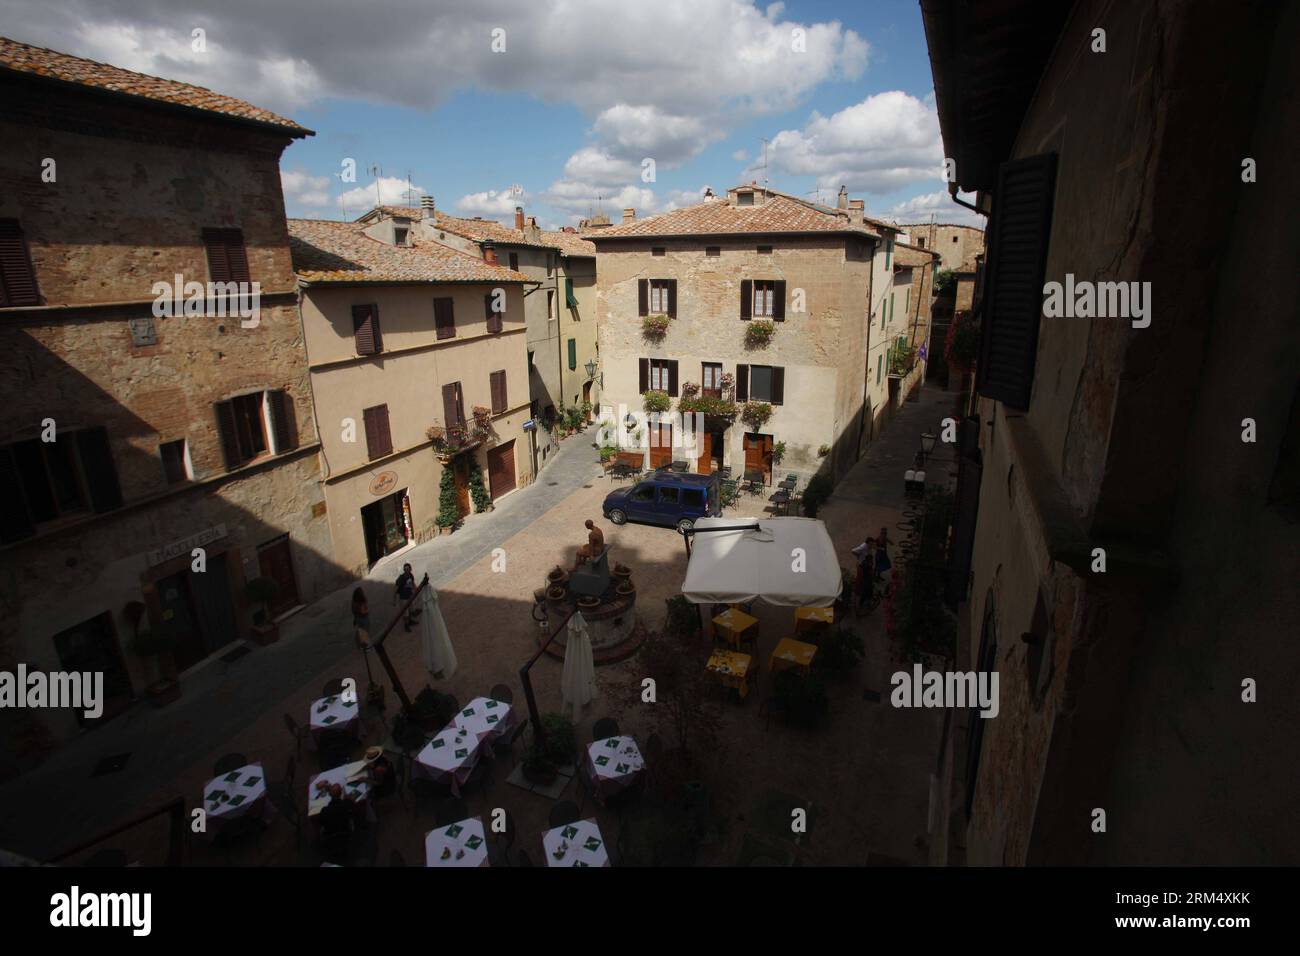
(625, 588)
(683, 618)
(426, 709)
(588, 602)
(561, 738)
(538, 766)
(622, 571)
(477, 490)
(448, 503)
(656, 401)
(655, 326)
(756, 414)
(778, 452)
(157, 648)
(758, 333)
(838, 652)
(823, 450)
(607, 452)
(260, 592)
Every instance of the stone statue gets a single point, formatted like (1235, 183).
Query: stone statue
(595, 543)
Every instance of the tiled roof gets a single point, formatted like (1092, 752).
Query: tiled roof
(480, 230)
(779, 213)
(327, 251)
(569, 243)
(50, 64)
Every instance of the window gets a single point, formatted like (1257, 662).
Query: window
(243, 424)
(745, 199)
(379, 440)
(399, 235)
(497, 381)
(573, 354)
(766, 384)
(711, 379)
(514, 262)
(657, 251)
(643, 493)
(453, 405)
(920, 243)
(954, 238)
(713, 251)
(49, 480)
(907, 299)
(692, 497)
(669, 495)
(657, 297)
(493, 316)
(550, 304)
(880, 367)
(762, 299)
(889, 251)
(17, 277)
(175, 461)
(227, 258)
(365, 329)
(444, 318)
(659, 375)
(764, 250)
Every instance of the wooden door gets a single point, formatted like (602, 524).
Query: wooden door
(501, 469)
(758, 455)
(661, 445)
(460, 472)
(705, 463)
(586, 397)
(276, 562)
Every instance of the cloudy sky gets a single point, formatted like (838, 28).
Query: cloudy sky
(565, 107)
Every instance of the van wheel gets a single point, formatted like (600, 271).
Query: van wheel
(685, 525)
(618, 516)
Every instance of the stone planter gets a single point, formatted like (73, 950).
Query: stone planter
(541, 778)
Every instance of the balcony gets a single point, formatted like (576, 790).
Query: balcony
(452, 440)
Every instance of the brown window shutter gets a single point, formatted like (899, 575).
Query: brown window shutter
(672, 379)
(1013, 291)
(644, 376)
(778, 385)
(778, 305)
(672, 298)
(17, 277)
(444, 318)
(237, 256)
(642, 296)
(379, 440)
(283, 421)
(742, 383)
(746, 299)
(15, 522)
(365, 329)
(229, 436)
(450, 405)
(227, 258)
(493, 316)
(499, 392)
(97, 465)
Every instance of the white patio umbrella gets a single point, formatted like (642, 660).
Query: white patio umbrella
(435, 642)
(787, 561)
(578, 685)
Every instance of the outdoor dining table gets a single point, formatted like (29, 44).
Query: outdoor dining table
(731, 669)
(485, 718)
(449, 757)
(813, 620)
(780, 500)
(791, 653)
(318, 801)
(334, 713)
(575, 844)
(462, 843)
(733, 624)
(612, 765)
(234, 795)
(789, 483)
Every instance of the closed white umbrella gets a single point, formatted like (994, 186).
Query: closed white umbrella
(435, 642)
(578, 686)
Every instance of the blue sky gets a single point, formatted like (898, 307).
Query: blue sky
(562, 100)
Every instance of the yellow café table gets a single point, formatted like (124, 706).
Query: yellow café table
(731, 668)
(811, 620)
(732, 625)
(792, 653)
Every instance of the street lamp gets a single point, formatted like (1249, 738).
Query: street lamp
(927, 445)
(591, 372)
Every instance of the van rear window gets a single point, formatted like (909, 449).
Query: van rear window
(692, 497)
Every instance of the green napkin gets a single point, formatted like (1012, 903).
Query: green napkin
(252, 781)
(602, 760)
(474, 842)
(462, 753)
(467, 712)
(621, 768)
(592, 843)
(454, 830)
(492, 718)
(611, 742)
(490, 704)
(237, 800)
(569, 832)
(437, 742)
(231, 777)
(329, 720)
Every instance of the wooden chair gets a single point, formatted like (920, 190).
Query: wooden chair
(228, 763)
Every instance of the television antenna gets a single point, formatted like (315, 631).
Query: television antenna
(376, 171)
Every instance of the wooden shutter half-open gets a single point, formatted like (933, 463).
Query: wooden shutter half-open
(225, 412)
(1013, 303)
(672, 379)
(746, 299)
(642, 296)
(778, 384)
(643, 385)
(498, 392)
(493, 316)
(778, 301)
(379, 439)
(451, 404)
(284, 424)
(742, 383)
(672, 298)
(17, 277)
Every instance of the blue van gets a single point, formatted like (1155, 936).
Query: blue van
(666, 498)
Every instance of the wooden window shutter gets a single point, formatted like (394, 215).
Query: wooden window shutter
(493, 316)
(97, 465)
(642, 296)
(742, 383)
(778, 384)
(778, 304)
(672, 379)
(746, 299)
(227, 257)
(237, 256)
(967, 500)
(17, 277)
(1013, 303)
(284, 422)
(15, 522)
(444, 318)
(365, 329)
(451, 404)
(379, 440)
(499, 391)
(229, 435)
(573, 354)
(672, 298)
(644, 376)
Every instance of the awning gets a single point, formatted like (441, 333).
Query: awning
(786, 561)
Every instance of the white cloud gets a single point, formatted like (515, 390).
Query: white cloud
(646, 131)
(740, 156)
(887, 141)
(392, 192)
(580, 199)
(594, 165)
(492, 203)
(301, 187)
(919, 208)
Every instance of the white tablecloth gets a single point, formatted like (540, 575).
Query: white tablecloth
(449, 757)
(233, 795)
(361, 790)
(579, 844)
(463, 842)
(334, 713)
(613, 764)
(485, 718)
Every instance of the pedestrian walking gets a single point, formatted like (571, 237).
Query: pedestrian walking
(404, 591)
(883, 563)
(361, 617)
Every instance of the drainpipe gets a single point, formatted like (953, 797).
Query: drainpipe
(952, 192)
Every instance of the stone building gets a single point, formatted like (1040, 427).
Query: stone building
(416, 367)
(708, 274)
(954, 244)
(132, 437)
(910, 329)
(1147, 715)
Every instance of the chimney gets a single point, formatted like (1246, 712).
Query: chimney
(490, 252)
(426, 206)
(629, 214)
(519, 218)
(842, 200)
(530, 230)
(856, 211)
(708, 193)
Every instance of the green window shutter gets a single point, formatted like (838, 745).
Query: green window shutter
(569, 298)
(889, 251)
(573, 354)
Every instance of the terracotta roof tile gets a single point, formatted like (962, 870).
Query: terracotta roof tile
(569, 243)
(50, 64)
(327, 251)
(480, 230)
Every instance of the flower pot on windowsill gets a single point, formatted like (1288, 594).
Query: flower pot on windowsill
(163, 692)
